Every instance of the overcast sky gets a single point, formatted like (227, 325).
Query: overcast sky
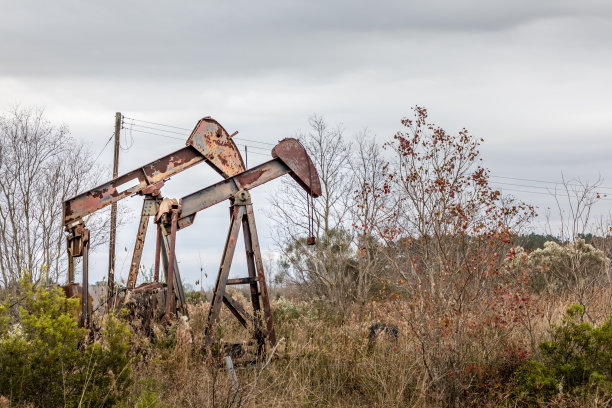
(530, 77)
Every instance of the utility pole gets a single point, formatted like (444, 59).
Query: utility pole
(113, 226)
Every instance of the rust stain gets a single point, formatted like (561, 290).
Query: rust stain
(213, 141)
(249, 178)
(293, 154)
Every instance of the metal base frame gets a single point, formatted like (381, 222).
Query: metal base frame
(242, 215)
(78, 246)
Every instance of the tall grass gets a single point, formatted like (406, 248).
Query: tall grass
(323, 359)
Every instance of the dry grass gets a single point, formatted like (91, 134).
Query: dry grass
(323, 360)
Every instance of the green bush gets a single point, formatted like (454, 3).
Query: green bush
(286, 311)
(44, 357)
(577, 360)
(148, 397)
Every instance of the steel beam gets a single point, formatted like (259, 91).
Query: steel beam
(237, 310)
(224, 268)
(263, 289)
(224, 190)
(130, 183)
(170, 296)
(149, 207)
(86, 316)
(208, 141)
(177, 282)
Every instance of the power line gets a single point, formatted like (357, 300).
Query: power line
(260, 154)
(182, 128)
(240, 138)
(130, 137)
(158, 129)
(178, 138)
(254, 141)
(536, 187)
(548, 194)
(549, 182)
(101, 151)
(158, 134)
(159, 124)
(253, 147)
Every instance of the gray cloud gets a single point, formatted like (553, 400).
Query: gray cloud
(531, 77)
(197, 39)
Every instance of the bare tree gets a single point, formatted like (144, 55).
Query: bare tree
(371, 212)
(574, 200)
(575, 266)
(325, 269)
(40, 166)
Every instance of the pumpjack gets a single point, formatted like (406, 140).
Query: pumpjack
(209, 142)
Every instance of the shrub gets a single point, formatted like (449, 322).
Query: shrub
(559, 267)
(147, 397)
(44, 358)
(286, 311)
(575, 360)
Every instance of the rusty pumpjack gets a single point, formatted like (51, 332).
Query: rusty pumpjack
(209, 142)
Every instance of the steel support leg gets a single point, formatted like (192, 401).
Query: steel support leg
(140, 240)
(226, 263)
(70, 268)
(158, 245)
(86, 316)
(242, 215)
(261, 278)
(254, 283)
(177, 282)
(170, 296)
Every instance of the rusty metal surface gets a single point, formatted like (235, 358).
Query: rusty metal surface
(226, 189)
(243, 317)
(164, 208)
(158, 243)
(214, 143)
(248, 248)
(261, 277)
(255, 285)
(75, 291)
(293, 154)
(76, 239)
(86, 310)
(242, 216)
(72, 290)
(177, 282)
(170, 296)
(130, 183)
(241, 281)
(153, 190)
(70, 267)
(208, 141)
(211, 143)
(143, 305)
(148, 286)
(147, 204)
(224, 268)
(290, 157)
